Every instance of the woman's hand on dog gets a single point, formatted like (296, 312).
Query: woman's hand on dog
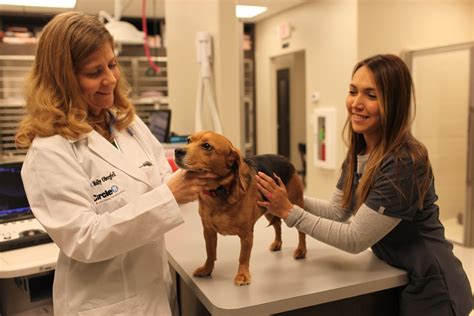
(278, 203)
(185, 185)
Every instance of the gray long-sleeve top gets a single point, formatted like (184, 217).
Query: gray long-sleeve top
(328, 222)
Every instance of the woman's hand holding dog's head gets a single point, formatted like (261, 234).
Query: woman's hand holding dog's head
(185, 185)
(278, 202)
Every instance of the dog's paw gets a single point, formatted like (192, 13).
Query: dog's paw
(275, 246)
(202, 272)
(300, 253)
(242, 278)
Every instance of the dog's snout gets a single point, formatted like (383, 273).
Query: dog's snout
(179, 152)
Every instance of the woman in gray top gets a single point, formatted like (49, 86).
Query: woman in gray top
(387, 189)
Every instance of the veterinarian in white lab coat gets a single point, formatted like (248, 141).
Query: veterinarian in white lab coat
(95, 177)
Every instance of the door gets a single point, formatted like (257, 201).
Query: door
(442, 80)
(283, 110)
(289, 94)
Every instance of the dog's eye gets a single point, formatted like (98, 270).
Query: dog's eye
(206, 146)
(188, 140)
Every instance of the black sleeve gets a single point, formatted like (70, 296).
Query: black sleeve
(394, 192)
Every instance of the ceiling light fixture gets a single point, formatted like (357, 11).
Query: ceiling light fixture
(42, 3)
(248, 11)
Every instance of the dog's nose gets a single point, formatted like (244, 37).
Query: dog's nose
(179, 152)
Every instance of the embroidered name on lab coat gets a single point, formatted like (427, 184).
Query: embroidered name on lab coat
(100, 180)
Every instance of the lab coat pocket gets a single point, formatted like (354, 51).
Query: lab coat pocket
(152, 172)
(107, 198)
(126, 307)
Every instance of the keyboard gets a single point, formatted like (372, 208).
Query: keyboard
(22, 233)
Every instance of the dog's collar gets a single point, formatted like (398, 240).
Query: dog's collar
(219, 192)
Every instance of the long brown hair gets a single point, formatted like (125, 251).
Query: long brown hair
(54, 101)
(395, 90)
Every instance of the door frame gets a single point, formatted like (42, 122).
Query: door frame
(469, 210)
(296, 62)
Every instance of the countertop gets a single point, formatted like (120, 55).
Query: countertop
(279, 282)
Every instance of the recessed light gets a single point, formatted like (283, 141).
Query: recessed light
(248, 11)
(42, 3)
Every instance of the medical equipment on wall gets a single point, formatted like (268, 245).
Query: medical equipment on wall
(205, 82)
(122, 32)
(125, 33)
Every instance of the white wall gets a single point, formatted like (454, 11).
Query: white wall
(336, 34)
(183, 20)
(472, 21)
(325, 31)
(390, 26)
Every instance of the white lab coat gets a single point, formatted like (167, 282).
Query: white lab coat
(107, 210)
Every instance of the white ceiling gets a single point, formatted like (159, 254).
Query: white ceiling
(154, 8)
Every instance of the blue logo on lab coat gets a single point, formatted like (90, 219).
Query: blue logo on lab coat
(107, 193)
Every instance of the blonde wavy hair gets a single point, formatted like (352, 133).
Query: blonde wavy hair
(395, 90)
(54, 100)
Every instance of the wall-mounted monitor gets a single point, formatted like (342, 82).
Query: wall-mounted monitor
(159, 124)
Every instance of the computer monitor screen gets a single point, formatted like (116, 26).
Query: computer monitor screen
(160, 124)
(13, 201)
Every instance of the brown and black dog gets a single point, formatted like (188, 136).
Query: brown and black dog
(230, 208)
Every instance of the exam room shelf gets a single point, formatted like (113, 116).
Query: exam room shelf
(17, 60)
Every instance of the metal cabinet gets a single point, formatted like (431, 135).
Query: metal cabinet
(149, 89)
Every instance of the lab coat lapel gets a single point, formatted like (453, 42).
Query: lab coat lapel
(105, 150)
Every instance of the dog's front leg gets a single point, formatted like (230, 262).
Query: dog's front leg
(210, 236)
(243, 274)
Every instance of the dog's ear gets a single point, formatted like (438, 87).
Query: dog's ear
(242, 174)
(232, 157)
